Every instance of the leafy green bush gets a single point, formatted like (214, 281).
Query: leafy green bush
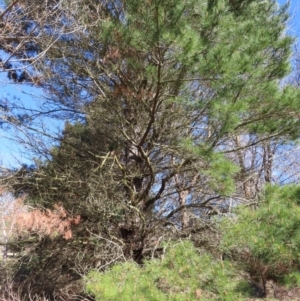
(183, 274)
(266, 241)
(292, 279)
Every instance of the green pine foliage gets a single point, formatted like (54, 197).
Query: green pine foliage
(266, 241)
(183, 274)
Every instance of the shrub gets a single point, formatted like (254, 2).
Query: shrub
(183, 274)
(266, 241)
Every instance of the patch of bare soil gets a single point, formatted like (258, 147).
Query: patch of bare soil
(283, 293)
(274, 292)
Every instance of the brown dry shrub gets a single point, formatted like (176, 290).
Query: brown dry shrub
(20, 219)
(46, 222)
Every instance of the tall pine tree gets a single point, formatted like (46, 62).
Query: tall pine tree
(158, 93)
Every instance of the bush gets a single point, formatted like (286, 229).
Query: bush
(266, 241)
(183, 274)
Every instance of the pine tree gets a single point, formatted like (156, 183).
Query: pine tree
(157, 94)
(171, 86)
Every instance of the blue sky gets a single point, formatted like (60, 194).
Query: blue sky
(294, 24)
(11, 153)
